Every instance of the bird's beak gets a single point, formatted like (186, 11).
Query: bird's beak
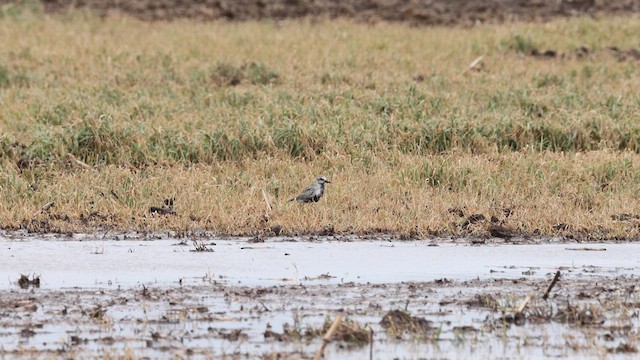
(327, 181)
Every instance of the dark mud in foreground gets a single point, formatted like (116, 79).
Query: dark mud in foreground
(584, 317)
(96, 298)
(434, 12)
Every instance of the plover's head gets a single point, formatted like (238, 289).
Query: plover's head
(322, 180)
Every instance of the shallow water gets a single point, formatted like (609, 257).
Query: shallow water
(162, 299)
(97, 263)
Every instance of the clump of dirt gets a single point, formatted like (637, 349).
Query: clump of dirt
(624, 348)
(583, 51)
(625, 217)
(24, 163)
(232, 335)
(46, 221)
(276, 230)
(562, 227)
(201, 246)
(580, 316)
(27, 332)
(348, 331)
(472, 219)
(456, 211)
(25, 282)
(288, 333)
(434, 12)
(326, 231)
(96, 217)
(633, 54)
(502, 232)
(517, 318)
(483, 301)
(161, 210)
(585, 315)
(397, 322)
(98, 313)
(270, 334)
(165, 209)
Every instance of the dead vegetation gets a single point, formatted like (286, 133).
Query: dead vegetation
(603, 314)
(26, 282)
(348, 331)
(231, 335)
(580, 316)
(201, 246)
(398, 323)
(537, 138)
(214, 199)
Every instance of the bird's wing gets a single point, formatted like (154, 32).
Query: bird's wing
(307, 193)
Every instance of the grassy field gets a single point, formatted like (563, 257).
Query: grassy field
(106, 117)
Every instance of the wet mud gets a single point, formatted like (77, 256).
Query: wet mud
(443, 319)
(435, 12)
(279, 299)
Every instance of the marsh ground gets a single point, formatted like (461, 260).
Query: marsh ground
(276, 300)
(493, 131)
(433, 12)
(465, 319)
(103, 118)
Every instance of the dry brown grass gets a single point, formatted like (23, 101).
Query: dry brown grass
(212, 114)
(541, 190)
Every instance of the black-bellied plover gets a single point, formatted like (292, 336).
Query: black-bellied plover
(314, 192)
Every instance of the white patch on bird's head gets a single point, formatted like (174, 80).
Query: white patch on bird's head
(322, 180)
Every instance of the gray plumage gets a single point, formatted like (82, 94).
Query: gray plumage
(314, 192)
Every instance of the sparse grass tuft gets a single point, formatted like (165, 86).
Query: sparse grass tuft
(521, 44)
(254, 73)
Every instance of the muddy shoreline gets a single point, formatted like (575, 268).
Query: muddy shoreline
(188, 237)
(582, 318)
(437, 12)
(239, 300)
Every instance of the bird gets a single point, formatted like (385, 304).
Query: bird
(314, 192)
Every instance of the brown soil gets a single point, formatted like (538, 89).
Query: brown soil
(424, 12)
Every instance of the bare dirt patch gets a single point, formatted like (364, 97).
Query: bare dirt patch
(438, 12)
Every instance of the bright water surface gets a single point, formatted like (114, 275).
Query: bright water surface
(91, 263)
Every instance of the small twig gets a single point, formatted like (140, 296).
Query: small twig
(78, 162)
(370, 343)
(524, 303)
(473, 64)
(46, 207)
(553, 283)
(327, 337)
(264, 306)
